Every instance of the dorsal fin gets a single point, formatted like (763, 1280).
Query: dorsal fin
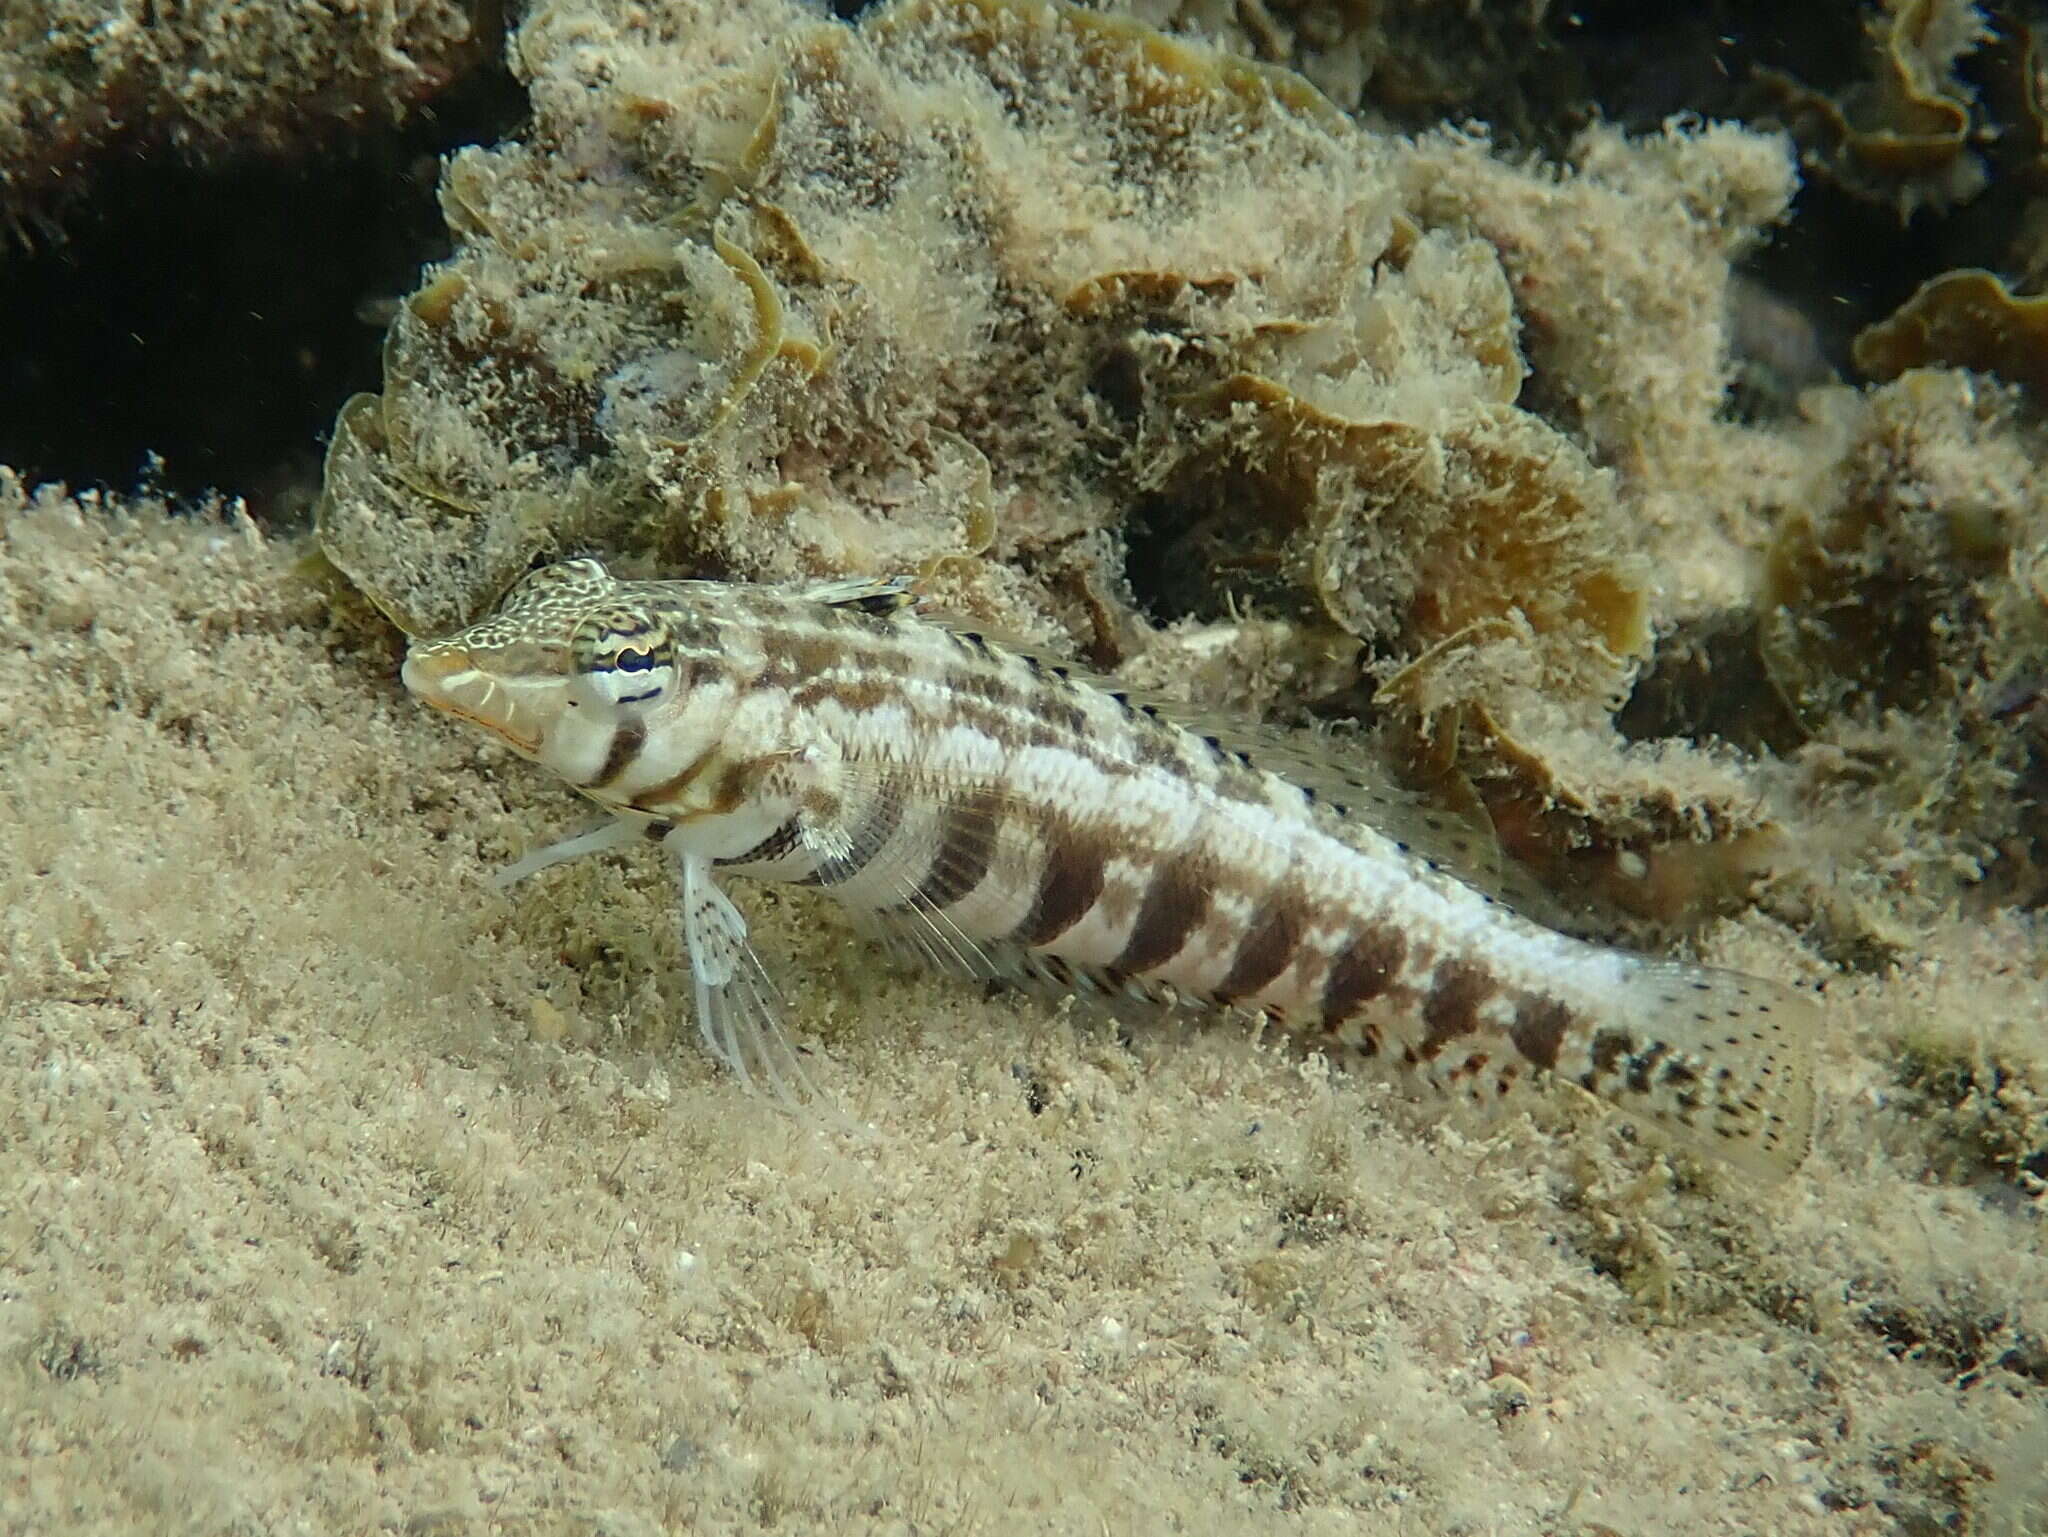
(876, 595)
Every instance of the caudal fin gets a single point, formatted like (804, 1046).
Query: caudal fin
(1720, 1061)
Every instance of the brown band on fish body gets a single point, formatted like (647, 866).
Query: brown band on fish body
(1176, 901)
(1457, 991)
(967, 844)
(1362, 971)
(1268, 949)
(1067, 887)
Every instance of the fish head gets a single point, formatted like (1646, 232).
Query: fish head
(565, 658)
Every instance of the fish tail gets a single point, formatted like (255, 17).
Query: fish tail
(1718, 1060)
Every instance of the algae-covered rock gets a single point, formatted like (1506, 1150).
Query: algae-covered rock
(762, 294)
(1907, 626)
(84, 80)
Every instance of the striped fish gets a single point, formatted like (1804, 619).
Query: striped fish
(1001, 814)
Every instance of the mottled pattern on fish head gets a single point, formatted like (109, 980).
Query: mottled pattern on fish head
(568, 660)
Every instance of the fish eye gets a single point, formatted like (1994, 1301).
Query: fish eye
(625, 655)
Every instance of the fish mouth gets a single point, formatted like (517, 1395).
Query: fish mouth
(451, 682)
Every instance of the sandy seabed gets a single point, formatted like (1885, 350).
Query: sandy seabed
(340, 1193)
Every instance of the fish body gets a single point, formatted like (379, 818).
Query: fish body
(1000, 813)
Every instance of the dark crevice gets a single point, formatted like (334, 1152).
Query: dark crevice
(216, 318)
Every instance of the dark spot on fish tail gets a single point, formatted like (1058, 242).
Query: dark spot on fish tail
(1268, 949)
(967, 845)
(1176, 901)
(1363, 970)
(1539, 1030)
(627, 739)
(1609, 1047)
(1068, 886)
(1642, 1066)
(1456, 993)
